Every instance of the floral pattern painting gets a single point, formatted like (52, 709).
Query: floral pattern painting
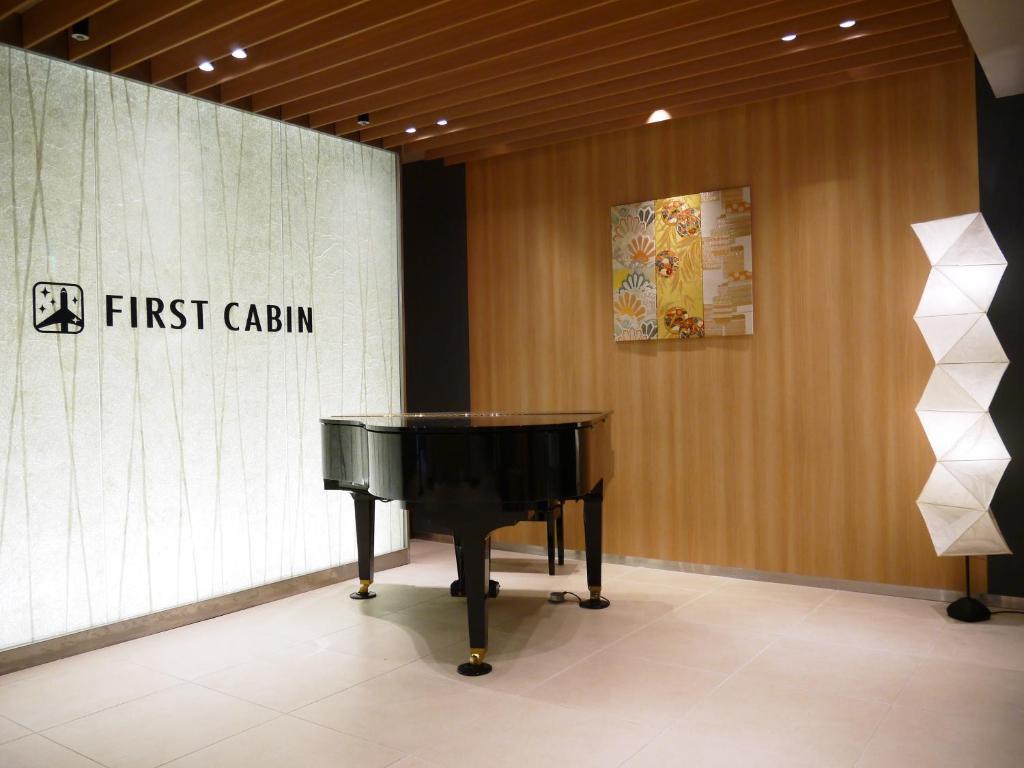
(682, 267)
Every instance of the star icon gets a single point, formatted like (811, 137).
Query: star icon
(53, 303)
(45, 292)
(42, 307)
(75, 300)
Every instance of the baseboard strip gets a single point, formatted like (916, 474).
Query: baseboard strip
(61, 647)
(849, 585)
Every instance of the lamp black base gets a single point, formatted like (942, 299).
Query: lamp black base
(595, 603)
(469, 669)
(968, 609)
(363, 595)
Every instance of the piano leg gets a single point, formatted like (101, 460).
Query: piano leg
(476, 568)
(592, 532)
(560, 532)
(455, 588)
(550, 515)
(364, 545)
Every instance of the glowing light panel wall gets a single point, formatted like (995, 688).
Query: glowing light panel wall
(146, 467)
(970, 457)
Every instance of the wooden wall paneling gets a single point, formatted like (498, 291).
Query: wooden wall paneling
(796, 449)
(694, 54)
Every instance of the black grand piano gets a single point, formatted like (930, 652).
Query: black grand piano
(469, 474)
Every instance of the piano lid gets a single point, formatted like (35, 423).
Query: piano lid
(460, 422)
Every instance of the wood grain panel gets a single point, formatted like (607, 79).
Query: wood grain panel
(796, 449)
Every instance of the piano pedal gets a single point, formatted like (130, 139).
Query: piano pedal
(455, 589)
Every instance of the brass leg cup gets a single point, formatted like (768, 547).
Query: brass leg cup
(364, 592)
(476, 665)
(596, 602)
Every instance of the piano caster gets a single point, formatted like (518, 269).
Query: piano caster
(596, 602)
(476, 665)
(493, 588)
(364, 592)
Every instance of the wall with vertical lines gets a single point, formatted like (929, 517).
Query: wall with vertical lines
(147, 468)
(796, 449)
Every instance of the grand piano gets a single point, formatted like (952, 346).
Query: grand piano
(469, 474)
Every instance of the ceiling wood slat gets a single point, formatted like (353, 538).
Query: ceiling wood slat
(246, 33)
(47, 18)
(752, 97)
(384, 31)
(699, 57)
(182, 27)
(684, 101)
(506, 75)
(10, 7)
(723, 82)
(704, 22)
(592, 49)
(528, 26)
(121, 20)
(525, 67)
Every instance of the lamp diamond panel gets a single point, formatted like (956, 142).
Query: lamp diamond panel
(967, 266)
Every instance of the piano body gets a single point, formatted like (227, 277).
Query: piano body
(469, 474)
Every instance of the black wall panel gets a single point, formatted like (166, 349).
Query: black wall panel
(434, 287)
(1001, 177)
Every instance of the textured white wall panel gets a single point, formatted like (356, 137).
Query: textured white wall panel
(144, 468)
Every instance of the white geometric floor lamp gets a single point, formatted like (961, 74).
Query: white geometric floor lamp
(969, 362)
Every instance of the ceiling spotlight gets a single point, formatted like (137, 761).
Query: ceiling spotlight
(410, 129)
(80, 31)
(442, 122)
(658, 116)
(206, 66)
(363, 119)
(848, 23)
(788, 38)
(239, 53)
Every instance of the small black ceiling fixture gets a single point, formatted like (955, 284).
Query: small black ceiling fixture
(80, 30)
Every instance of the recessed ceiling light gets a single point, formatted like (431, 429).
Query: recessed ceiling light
(410, 129)
(788, 38)
(363, 119)
(658, 116)
(206, 66)
(848, 23)
(239, 53)
(80, 31)
(442, 122)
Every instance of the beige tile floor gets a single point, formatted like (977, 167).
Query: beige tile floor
(682, 670)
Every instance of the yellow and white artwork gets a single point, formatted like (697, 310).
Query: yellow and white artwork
(682, 267)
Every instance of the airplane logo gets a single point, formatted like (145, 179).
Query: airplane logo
(57, 308)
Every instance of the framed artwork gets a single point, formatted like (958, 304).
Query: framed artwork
(682, 267)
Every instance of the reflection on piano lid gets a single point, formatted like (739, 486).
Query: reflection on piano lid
(461, 421)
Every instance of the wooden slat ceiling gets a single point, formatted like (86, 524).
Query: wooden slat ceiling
(507, 75)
